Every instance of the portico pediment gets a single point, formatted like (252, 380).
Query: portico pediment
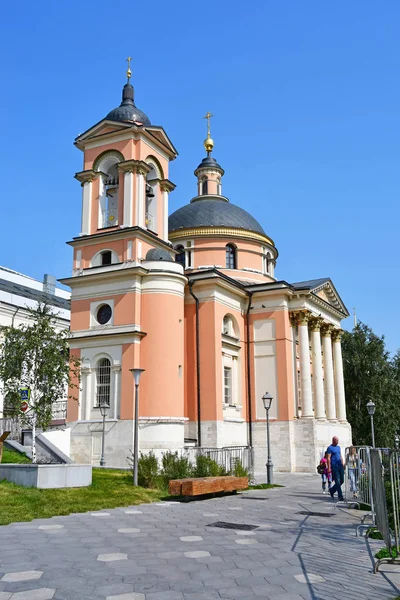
(324, 290)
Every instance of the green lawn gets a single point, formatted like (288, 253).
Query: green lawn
(109, 489)
(11, 456)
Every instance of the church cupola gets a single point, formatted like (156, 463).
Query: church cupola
(127, 111)
(209, 172)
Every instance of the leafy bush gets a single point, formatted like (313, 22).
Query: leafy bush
(148, 470)
(207, 467)
(175, 467)
(239, 470)
(384, 553)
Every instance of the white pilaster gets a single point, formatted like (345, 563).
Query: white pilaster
(128, 199)
(87, 387)
(141, 199)
(102, 217)
(86, 207)
(318, 377)
(129, 250)
(165, 215)
(330, 404)
(339, 379)
(116, 408)
(305, 369)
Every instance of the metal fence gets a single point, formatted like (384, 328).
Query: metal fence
(229, 458)
(385, 473)
(357, 483)
(13, 426)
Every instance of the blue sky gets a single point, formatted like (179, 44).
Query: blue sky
(306, 98)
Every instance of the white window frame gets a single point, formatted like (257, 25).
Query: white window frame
(228, 386)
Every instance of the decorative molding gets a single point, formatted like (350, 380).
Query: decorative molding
(300, 317)
(107, 154)
(337, 334)
(327, 329)
(166, 185)
(220, 231)
(316, 323)
(134, 166)
(86, 176)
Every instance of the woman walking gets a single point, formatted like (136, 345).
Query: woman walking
(353, 469)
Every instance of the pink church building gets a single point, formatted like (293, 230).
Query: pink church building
(192, 298)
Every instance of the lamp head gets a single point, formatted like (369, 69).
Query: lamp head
(136, 374)
(267, 400)
(371, 408)
(104, 408)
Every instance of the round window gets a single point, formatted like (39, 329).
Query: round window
(104, 314)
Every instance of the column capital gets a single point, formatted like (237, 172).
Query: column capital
(316, 323)
(116, 368)
(300, 317)
(167, 185)
(86, 176)
(134, 166)
(326, 330)
(337, 334)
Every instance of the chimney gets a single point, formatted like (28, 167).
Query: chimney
(49, 284)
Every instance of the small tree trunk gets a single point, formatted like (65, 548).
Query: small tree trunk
(34, 438)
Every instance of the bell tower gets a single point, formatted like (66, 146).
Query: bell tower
(126, 289)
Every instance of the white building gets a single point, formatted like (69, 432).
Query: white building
(20, 292)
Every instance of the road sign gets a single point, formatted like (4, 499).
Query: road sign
(24, 406)
(24, 394)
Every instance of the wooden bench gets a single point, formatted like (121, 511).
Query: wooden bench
(201, 486)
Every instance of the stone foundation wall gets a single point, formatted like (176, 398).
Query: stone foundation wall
(295, 445)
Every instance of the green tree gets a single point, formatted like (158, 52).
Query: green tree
(36, 356)
(370, 374)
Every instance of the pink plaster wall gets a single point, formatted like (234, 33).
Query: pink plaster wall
(161, 354)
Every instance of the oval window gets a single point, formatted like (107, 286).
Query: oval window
(104, 314)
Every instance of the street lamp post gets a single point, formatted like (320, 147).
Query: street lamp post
(267, 400)
(371, 411)
(104, 408)
(136, 376)
(396, 441)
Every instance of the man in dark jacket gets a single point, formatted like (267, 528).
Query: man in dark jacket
(336, 467)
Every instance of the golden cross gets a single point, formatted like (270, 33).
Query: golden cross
(208, 116)
(128, 71)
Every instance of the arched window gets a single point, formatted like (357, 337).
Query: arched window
(103, 381)
(230, 256)
(180, 257)
(268, 263)
(151, 199)
(109, 196)
(204, 187)
(106, 258)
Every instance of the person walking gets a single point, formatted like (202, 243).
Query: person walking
(336, 467)
(326, 477)
(353, 469)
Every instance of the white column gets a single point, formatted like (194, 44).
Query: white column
(318, 377)
(86, 207)
(140, 199)
(128, 199)
(102, 217)
(339, 379)
(116, 408)
(165, 215)
(87, 390)
(305, 369)
(330, 404)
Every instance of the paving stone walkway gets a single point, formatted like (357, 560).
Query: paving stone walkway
(169, 551)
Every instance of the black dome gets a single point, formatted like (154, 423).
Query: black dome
(209, 161)
(159, 254)
(127, 111)
(213, 213)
